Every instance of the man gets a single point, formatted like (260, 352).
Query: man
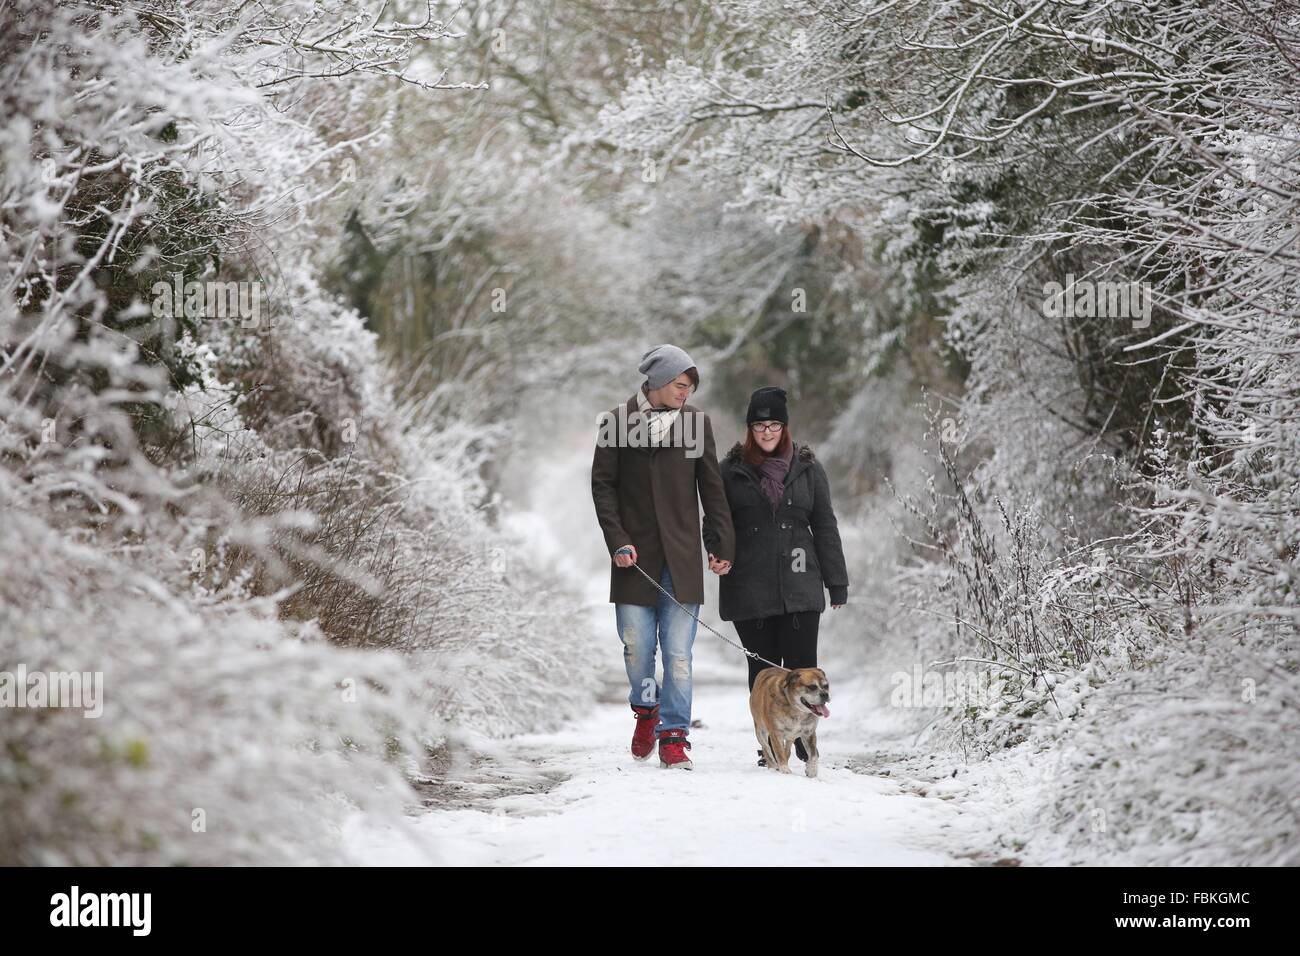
(654, 455)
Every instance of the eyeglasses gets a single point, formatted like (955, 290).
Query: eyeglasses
(767, 426)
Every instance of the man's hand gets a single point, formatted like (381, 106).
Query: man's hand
(718, 567)
(625, 556)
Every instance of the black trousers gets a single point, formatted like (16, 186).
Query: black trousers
(788, 639)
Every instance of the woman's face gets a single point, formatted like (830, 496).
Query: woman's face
(767, 434)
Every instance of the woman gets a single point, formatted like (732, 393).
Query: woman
(787, 542)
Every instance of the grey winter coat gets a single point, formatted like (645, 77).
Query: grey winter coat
(783, 560)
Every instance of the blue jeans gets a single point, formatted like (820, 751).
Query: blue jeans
(641, 629)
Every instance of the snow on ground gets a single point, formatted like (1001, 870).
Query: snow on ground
(609, 809)
(576, 796)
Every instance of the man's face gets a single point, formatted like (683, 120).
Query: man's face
(675, 393)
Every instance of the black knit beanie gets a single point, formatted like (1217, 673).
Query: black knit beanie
(767, 404)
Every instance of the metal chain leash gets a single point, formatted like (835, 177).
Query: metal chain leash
(746, 651)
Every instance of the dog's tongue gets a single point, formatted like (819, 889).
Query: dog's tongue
(821, 710)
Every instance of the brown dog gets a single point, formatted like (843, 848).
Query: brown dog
(786, 705)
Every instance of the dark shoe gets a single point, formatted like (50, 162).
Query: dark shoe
(643, 738)
(672, 750)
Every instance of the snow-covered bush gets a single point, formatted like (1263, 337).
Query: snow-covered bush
(1119, 538)
(281, 572)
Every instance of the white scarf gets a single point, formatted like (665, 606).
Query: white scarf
(659, 422)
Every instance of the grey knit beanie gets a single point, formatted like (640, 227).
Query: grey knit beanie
(662, 364)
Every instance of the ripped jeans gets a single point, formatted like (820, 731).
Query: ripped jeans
(642, 629)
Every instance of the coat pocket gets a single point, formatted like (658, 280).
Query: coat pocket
(800, 496)
(803, 538)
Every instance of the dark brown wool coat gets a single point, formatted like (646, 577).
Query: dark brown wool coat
(650, 498)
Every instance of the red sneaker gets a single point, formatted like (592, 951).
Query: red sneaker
(672, 750)
(643, 738)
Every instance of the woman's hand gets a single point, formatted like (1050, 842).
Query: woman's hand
(625, 556)
(718, 567)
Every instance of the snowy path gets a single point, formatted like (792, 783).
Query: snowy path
(577, 797)
(610, 809)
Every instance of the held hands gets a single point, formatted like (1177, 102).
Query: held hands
(626, 556)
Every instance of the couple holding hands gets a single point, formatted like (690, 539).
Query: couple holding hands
(769, 528)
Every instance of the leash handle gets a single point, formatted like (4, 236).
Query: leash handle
(746, 651)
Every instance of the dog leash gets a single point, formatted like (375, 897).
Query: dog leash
(746, 651)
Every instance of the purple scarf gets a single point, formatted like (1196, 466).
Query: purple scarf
(771, 475)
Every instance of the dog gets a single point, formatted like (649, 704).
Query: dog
(785, 705)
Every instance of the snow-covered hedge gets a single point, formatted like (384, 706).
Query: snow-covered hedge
(280, 573)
